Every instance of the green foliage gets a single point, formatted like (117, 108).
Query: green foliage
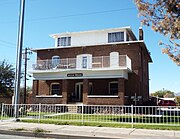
(7, 76)
(115, 125)
(163, 93)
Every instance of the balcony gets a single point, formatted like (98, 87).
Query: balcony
(93, 63)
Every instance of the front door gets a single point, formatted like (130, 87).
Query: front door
(78, 91)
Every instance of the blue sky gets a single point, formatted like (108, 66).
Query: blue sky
(44, 17)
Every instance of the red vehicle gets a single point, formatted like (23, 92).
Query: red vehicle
(167, 103)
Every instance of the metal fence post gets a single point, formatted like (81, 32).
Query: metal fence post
(39, 117)
(132, 120)
(2, 111)
(82, 114)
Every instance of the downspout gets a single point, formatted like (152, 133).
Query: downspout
(141, 37)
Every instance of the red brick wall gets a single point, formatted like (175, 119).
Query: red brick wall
(101, 86)
(108, 100)
(103, 50)
(46, 100)
(138, 80)
(43, 88)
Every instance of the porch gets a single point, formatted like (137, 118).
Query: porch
(82, 62)
(86, 91)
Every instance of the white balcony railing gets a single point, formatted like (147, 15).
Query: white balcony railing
(124, 62)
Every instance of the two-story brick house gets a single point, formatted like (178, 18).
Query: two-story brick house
(92, 67)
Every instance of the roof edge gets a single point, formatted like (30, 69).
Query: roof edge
(51, 48)
(88, 31)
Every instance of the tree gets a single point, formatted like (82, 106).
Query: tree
(164, 17)
(7, 76)
(163, 93)
(178, 99)
(28, 90)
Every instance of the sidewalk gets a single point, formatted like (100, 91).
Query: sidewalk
(69, 131)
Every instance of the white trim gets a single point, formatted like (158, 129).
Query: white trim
(79, 70)
(102, 96)
(125, 35)
(80, 64)
(55, 60)
(113, 43)
(57, 75)
(55, 56)
(46, 96)
(56, 35)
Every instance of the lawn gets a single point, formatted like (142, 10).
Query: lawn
(98, 124)
(105, 120)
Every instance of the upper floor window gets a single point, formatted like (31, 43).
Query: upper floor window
(55, 61)
(64, 41)
(55, 89)
(116, 37)
(84, 62)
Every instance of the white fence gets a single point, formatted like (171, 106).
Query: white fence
(153, 115)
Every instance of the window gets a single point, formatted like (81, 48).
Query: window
(55, 61)
(113, 88)
(84, 62)
(55, 89)
(116, 37)
(64, 41)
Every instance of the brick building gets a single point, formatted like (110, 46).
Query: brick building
(105, 67)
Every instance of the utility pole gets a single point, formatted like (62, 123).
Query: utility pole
(25, 68)
(19, 58)
(26, 52)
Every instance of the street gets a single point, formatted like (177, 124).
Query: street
(3, 136)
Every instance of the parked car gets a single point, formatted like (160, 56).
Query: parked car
(167, 103)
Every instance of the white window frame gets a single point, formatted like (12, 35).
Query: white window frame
(51, 93)
(110, 88)
(116, 36)
(84, 62)
(64, 41)
(55, 61)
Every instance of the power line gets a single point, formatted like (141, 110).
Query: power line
(80, 14)
(5, 45)
(10, 43)
(73, 15)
